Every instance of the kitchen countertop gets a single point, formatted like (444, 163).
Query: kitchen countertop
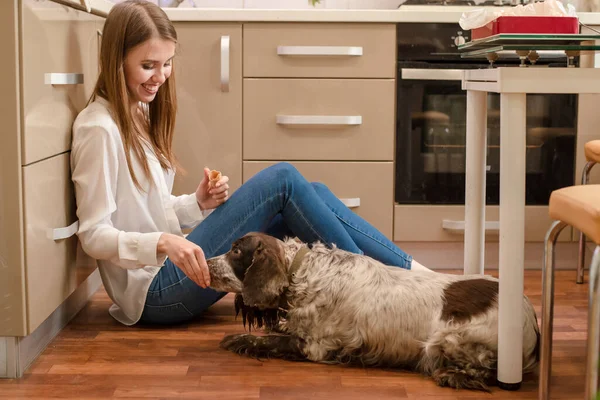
(449, 14)
(403, 14)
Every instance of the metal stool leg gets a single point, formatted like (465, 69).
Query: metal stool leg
(593, 340)
(585, 178)
(581, 258)
(548, 309)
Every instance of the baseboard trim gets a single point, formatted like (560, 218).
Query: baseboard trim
(18, 353)
(7, 356)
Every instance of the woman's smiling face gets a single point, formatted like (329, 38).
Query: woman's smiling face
(147, 66)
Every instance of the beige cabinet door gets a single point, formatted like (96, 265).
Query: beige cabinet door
(365, 187)
(319, 50)
(50, 242)
(319, 119)
(427, 223)
(208, 74)
(59, 53)
(12, 271)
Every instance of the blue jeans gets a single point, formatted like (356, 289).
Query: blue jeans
(277, 201)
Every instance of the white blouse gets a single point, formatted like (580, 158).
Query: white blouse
(118, 224)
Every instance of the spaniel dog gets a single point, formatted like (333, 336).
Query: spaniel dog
(328, 305)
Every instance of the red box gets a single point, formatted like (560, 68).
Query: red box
(528, 24)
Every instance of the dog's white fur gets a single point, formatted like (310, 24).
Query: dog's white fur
(345, 306)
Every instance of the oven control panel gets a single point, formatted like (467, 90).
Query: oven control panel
(460, 38)
(424, 41)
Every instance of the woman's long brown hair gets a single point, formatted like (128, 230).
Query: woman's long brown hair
(129, 24)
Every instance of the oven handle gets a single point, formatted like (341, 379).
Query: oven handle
(320, 51)
(318, 119)
(454, 226)
(426, 74)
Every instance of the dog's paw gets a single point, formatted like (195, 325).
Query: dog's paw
(471, 378)
(239, 343)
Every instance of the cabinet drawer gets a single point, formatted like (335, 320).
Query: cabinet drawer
(324, 119)
(446, 224)
(365, 187)
(304, 50)
(48, 204)
(59, 62)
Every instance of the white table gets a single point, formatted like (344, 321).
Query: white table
(513, 84)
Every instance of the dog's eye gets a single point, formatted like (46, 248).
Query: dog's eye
(236, 251)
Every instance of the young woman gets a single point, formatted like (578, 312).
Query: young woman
(123, 169)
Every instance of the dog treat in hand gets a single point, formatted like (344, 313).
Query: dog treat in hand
(213, 177)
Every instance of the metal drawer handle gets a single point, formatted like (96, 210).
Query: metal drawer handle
(351, 202)
(459, 226)
(319, 119)
(319, 51)
(64, 233)
(225, 41)
(59, 78)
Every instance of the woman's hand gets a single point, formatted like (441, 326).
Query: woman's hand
(208, 197)
(187, 255)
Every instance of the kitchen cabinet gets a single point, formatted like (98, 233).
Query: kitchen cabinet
(321, 96)
(352, 182)
(446, 223)
(317, 50)
(45, 85)
(208, 75)
(366, 121)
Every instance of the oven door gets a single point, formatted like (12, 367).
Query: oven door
(431, 134)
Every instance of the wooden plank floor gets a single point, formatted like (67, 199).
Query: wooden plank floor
(96, 358)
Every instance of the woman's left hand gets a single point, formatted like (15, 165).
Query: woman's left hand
(212, 197)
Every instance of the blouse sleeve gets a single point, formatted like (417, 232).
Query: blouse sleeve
(188, 211)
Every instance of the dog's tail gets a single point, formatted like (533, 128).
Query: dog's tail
(470, 366)
(457, 363)
(531, 338)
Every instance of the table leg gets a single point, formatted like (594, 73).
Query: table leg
(475, 181)
(512, 239)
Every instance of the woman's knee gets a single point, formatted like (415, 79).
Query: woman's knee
(285, 171)
(284, 167)
(324, 193)
(320, 187)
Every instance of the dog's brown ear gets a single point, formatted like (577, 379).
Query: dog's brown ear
(265, 279)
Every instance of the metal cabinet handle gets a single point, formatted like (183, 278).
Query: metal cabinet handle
(352, 202)
(319, 119)
(459, 226)
(426, 74)
(64, 233)
(319, 51)
(59, 78)
(225, 42)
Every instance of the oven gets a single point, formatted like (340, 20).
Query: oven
(431, 123)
